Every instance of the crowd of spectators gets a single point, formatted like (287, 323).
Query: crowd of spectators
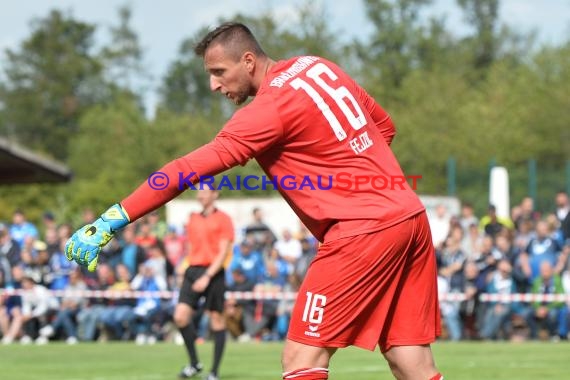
(526, 253)
(147, 255)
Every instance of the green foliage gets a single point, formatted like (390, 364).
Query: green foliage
(50, 81)
(492, 95)
(109, 154)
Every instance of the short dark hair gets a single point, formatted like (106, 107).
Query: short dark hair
(235, 36)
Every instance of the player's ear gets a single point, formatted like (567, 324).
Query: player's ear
(249, 60)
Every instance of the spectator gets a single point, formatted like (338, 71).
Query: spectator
(554, 229)
(498, 313)
(524, 234)
(470, 308)
(235, 309)
(289, 249)
(309, 253)
(60, 269)
(259, 231)
(274, 280)
(11, 319)
(487, 260)
(145, 237)
(551, 316)
(467, 217)
(504, 245)
(37, 264)
(132, 255)
(112, 254)
(449, 309)
(52, 240)
(492, 224)
(148, 306)
(117, 318)
(70, 305)
(472, 242)
(158, 227)
(527, 212)
(88, 317)
(64, 232)
(541, 248)
(563, 213)
(439, 224)
(21, 229)
(156, 258)
(37, 302)
(9, 248)
(248, 261)
(175, 246)
(451, 261)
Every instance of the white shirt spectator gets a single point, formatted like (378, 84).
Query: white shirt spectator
(289, 249)
(37, 301)
(439, 224)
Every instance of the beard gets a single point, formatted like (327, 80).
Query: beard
(242, 93)
(239, 97)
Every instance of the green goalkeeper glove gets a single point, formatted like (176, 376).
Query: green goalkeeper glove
(86, 243)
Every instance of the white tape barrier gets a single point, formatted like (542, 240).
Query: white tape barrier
(259, 295)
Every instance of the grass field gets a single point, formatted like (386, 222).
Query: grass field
(125, 361)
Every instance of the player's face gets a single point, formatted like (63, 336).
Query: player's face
(206, 197)
(230, 77)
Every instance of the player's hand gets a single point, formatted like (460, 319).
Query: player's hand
(85, 244)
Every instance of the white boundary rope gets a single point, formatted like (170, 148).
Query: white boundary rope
(264, 295)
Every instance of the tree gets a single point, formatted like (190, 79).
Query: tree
(393, 49)
(110, 154)
(123, 58)
(50, 81)
(186, 87)
(483, 16)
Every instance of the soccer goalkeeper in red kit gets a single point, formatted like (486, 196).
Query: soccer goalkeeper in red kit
(373, 281)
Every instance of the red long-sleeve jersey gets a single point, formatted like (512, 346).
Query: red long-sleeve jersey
(312, 122)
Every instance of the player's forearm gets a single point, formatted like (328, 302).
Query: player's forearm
(147, 197)
(173, 178)
(218, 262)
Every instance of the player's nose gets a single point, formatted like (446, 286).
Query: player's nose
(214, 84)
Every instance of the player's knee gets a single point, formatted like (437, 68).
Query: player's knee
(217, 321)
(181, 316)
(296, 355)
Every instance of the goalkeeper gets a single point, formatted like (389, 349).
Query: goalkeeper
(373, 281)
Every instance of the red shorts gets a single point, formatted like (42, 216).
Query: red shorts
(372, 289)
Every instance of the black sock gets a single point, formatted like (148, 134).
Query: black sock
(219, 343)
(189, 335)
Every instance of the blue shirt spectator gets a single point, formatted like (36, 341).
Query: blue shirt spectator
(249, 261)
(542, 248)
(20, 230)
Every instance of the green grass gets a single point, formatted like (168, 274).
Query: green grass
(125, 361)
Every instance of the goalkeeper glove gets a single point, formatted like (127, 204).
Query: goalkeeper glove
(86, 243)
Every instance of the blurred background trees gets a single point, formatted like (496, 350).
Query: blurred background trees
(495, 95)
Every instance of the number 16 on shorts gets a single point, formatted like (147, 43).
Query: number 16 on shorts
(313, 312)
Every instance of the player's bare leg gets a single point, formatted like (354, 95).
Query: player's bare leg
(412, 363)
(303, 362)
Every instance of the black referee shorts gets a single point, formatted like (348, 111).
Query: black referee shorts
(214, 293)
